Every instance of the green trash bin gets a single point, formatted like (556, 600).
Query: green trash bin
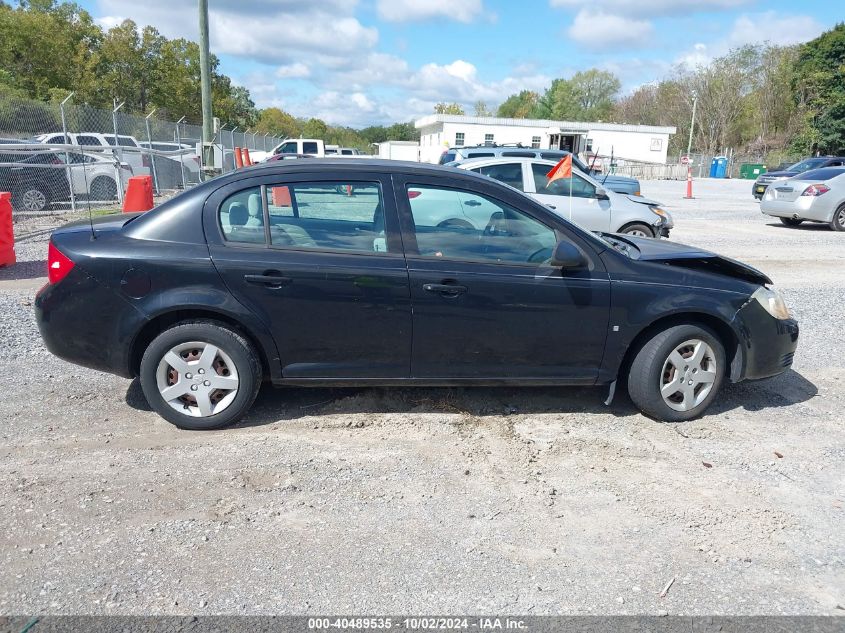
(750, 171)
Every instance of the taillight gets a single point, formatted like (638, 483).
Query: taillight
(414, 194)
(815, 190)
(58, 264)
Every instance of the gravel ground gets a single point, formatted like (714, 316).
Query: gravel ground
(525, 501)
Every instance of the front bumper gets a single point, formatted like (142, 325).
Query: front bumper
(767, 344)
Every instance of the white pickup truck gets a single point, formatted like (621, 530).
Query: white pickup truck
(310, 146)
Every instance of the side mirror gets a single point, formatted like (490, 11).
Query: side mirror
(567, 256)
(601, 193)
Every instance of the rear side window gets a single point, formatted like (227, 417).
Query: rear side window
(310, 148)
(480, 154)
(330, 216)
(508, 173)
(555, 156)
(84, 139)
(242, 217)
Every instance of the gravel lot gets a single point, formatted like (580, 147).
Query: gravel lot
(521, 501)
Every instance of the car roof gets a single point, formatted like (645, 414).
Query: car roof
(500, 160)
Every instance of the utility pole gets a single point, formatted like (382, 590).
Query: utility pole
(692, 123)
(205, 79)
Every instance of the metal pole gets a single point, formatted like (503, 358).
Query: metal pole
(179, 144)
(692, 123)
(265, 141)
(150, 142)
(67, 155)
(234, 161)
(246, 138)
(205, 80)
(119, 151)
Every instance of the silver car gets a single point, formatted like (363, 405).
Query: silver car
(817, 195)
(591, 205)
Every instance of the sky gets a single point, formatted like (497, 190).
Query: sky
(368, 62)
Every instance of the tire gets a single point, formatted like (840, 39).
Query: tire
(653, 370)
(180, 362)
(790, 222)
(637, 229)
(103, 189)
(838, 221)
(33, 198)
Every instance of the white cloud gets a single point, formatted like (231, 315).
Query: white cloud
(650, 8)
(774, 26)
(596, 30)
(415, 10)
(296, 70)
(109, 21)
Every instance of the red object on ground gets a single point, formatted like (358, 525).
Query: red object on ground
(7, 232)
(139, 194)
(247, 159)
(689, 183)
(239, 159)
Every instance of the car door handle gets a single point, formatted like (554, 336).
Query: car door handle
(472, 203)
(445, 290)
(268, 279)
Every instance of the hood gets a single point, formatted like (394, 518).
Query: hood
(641, 200)
(692, 258)
(614, 178)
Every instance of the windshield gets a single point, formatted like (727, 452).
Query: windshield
(809, 163)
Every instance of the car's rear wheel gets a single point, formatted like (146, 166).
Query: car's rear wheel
(791, 221)
(838, 221)
(33, 198)
(676, 375)
(200, 375)
(103, 189)
(638, 230)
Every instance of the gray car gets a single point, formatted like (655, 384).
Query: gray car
(592, 206)
(817, 195)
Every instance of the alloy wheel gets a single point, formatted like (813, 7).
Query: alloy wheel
(197, 379)
(33, 200)
(688, 375)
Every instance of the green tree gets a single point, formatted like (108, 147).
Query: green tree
(595, 91)
(518, 106)
(277, 122)
(448, 108)
(315, 128)
(819, 88)
(558, 102)
(481, 108)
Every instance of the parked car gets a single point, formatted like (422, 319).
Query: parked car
(817, 195)
(41, 179)
(138, 161)
(169, 168)
(766, 179)
(244, 278)
(593, 207)
(311, 146)
(618, 184)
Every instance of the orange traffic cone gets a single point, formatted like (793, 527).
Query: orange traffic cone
(7, 232)
(139, 194)
(281, 197)
(239, 159)
(247, 159)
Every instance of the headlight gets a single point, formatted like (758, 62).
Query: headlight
(664, 215)
(772, 302)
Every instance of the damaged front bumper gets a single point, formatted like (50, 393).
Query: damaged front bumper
(767, 344)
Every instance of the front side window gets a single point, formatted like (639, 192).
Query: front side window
(84, 139)
(508, 173)
(288, 148)
(461, 225)
(581, 188)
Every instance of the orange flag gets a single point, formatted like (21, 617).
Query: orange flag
(562, 170)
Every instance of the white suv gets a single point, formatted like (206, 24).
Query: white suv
(138, 161)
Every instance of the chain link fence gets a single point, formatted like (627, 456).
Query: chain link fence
(56, 157)
(736, 166)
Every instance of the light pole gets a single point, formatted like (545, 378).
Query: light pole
(689, 148)
(205, 81)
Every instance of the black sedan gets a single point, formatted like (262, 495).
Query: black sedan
(338, 272)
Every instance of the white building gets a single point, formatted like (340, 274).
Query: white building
(643, 143)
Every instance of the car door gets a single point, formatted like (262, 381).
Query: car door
(486, 302)
(583, 207)
(322, 264)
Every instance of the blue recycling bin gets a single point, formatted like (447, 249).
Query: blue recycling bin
(719, 167)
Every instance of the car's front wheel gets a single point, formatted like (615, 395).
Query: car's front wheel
(676, 375)
(200, 375)
(32, 198)
(638, 230)
(791, 221)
